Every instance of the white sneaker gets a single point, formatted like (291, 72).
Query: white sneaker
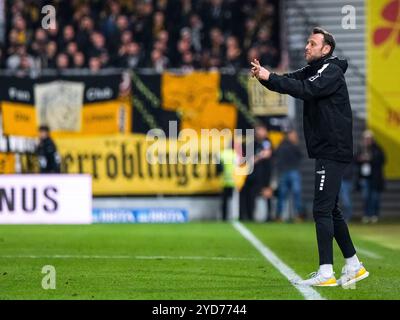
(351, 275)
(318, 280)
(374, 219)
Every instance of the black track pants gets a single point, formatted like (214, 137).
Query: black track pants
(328, 217)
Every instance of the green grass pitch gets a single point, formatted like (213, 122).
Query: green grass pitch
(198, 260)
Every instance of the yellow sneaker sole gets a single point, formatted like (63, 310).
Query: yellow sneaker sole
(356, 279)
(329, 283)
(326, 285)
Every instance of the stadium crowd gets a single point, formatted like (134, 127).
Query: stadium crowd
(159, 34)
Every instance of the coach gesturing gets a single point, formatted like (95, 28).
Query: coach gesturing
(327, 121)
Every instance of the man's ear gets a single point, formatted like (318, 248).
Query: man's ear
(325, 49)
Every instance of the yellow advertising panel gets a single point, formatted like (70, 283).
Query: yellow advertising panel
(19, 119)
(264, 102)
(7, 163)
(106, 117)
(119, 164)
(383, 69)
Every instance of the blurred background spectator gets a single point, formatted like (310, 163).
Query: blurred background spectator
(346, 189)
(258, 182)
(370, 159)
(48, 157)
(288, 158)
(189, 34)
(226, 167)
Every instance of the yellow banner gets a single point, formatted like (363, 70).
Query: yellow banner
(97, 118)
(19, 119)
(106, 117)
(195, 97)
(383, 69)
(7, 163)
(119, 166)
(264, 102)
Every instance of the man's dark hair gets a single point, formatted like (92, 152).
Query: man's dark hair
(328, 38)
(44, 128)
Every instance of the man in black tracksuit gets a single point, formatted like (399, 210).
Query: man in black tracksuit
(327, 121)
(48, 157)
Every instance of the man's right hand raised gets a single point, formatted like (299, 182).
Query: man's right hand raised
(258, 71)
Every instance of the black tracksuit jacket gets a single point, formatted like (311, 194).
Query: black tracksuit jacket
(49, 161)
(327, 116)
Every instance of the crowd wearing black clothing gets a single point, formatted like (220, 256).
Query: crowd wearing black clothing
(159, 34)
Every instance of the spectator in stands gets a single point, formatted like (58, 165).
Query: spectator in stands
(233, 59)
(183, 47)
(126, 38)
(131, 56)
(196, 30)
(188, 64)
(86, 28)
(50, 58)
(53, 35)
(72, 49)
(39, 46)
(20, 59)
(214, 62)
(250, 33)
(68, 36)
(98, 44)
(95, 64)
(13, 42)
(46, 151)
(62, 61)
(253, 53)
(346, 190)
(109, 18)
(217, 48)
(158, 61)
(268, 52)
(370, 159)
(25, 63)
(23, 35)
(217, 13)
(79, 60)
(158, 23)
(287, 160)
(142, 27)
(163, 37)
(106, 29)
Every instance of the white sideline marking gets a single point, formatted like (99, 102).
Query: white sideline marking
(368, 253)
(57, 256)
(308, 292)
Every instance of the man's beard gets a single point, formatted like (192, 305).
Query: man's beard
(313, 58)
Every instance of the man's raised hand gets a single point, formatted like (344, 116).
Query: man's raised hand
(259, 72)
